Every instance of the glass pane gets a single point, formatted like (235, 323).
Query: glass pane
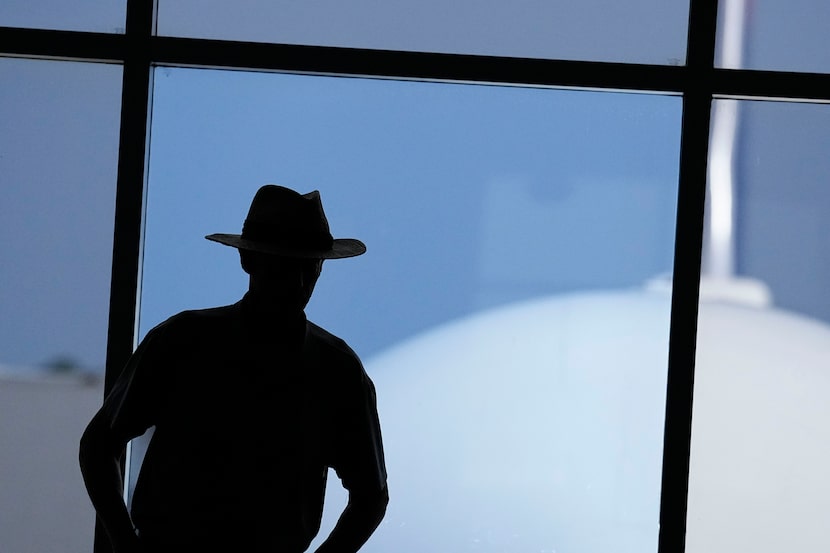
(784, 35)
(760, 438)
(58, 169)
(501, 309)
(645, 31)
(102, 16)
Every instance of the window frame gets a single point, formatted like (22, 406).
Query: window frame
(698, 82)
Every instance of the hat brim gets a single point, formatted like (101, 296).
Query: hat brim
(341, 247)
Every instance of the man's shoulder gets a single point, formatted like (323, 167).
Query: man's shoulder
(330, 345)
(206, 314)
(336, 363)
(193, 320)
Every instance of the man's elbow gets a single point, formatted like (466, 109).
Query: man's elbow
(95, 442)
(380, 500)
(383, 498)
(371, 502)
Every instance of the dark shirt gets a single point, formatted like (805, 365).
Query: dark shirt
(249, 414)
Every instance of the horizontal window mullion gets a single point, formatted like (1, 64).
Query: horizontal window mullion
(103, 47)
(416, 65)
(64, 45)
(773, 85)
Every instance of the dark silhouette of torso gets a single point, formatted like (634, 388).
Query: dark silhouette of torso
(248, 416)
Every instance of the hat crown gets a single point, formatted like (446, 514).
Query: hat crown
(283, 216)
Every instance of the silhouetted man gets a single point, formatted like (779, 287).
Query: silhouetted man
(251, 405)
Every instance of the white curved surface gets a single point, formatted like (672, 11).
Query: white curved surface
(538, 427)
(761, 433)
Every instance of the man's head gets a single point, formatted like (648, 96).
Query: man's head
(284, 240)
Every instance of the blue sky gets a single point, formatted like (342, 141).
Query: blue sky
(467, 196)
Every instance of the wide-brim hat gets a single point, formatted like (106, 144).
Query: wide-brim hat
(284, 222)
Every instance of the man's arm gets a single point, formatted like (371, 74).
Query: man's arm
(99, 457)
(361, 467)
(359, 520)
(128, 411)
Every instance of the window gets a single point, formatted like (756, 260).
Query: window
(84, 15)
(58, 158)
(508, 221)
(309, 57)
(778, 34)
(644, 31)
(760, 419)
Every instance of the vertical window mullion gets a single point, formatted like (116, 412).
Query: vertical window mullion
(694, 146)
(135, 110)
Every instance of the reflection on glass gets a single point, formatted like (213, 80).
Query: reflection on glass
(103, 16)
(759, 446)
(784, 35)
(519, 360)
(643, 31)
(58, 157)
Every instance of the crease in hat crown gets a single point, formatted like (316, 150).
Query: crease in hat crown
(284, 222)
